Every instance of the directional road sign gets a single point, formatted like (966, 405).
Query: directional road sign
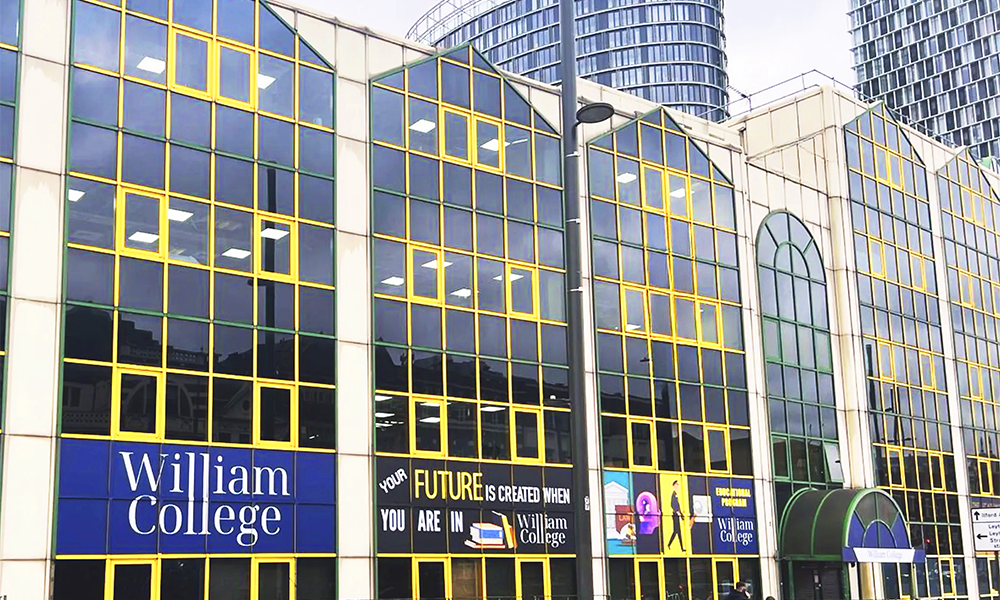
(986, 529)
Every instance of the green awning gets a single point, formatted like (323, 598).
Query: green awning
(851, 525)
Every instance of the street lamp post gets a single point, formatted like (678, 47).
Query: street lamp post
(571, 117)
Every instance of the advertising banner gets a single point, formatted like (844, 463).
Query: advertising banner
(672, 514)
(148, 498)
(460, 507)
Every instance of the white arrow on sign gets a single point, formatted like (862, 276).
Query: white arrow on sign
(985, 515)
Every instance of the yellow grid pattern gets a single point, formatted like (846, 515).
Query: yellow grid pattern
(166, 347)
(969, 211)
(10, 14)
(469, 273)
(902, 338)
(193, 575)
(667, 304)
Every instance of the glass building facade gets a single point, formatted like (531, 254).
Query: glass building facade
(286, 305)
(198, 331)
(667, 51)
(935, 63)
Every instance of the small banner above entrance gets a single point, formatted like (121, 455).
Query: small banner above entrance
(860, 525)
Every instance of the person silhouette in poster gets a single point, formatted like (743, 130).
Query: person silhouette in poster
(675, 507)
(648, 513)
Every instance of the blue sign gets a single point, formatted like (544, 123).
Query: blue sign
(144, 498)
(734, 516)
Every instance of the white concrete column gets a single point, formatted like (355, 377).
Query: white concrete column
(850, 374)
(32, 395)
(355, 425)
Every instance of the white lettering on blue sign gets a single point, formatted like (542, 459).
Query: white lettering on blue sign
(734, 530)
(147, 515)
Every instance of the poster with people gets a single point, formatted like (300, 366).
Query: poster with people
(674, 515)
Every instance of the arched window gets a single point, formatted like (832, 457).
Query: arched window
(797, 355)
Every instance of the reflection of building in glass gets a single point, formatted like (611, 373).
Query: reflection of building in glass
(215, 392)
(668, 51)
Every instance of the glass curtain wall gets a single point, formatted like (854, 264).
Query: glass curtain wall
(903, 351)
(199, 289)
(470, 336)
(675, 430)
(797, 355)
(969, 213)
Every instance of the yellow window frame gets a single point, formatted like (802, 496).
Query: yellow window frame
(445, 562)
(476, 119)
(651, 425)
(936, 462)
(668, 195)
(546, 575)
(708, 453)
(216, 74)
(946, 566)
(293, 247)
(509, 284)
(293, 415)
(641, 594)
(876, 249)
(443, 135)
(116, 404)
(885, 361)
(442, 424)
(985, 476)
(439, 266)
(257, 561)
(113, 563)
(927, 370)
(627, 315)
(121, 218)
(664, 187)
(700, 308)
(206, 94)
(895, 454)
(539, 434)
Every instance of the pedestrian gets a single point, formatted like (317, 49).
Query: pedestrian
(739, 592)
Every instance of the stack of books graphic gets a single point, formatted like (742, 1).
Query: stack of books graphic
(487, 535)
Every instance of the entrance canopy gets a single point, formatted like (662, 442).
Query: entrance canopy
(860, 525)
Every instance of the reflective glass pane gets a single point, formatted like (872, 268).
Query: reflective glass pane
(191, 62)
(95, 96)
(488, 144)
(425, 273)
(275, 85)
(422, 125)
(276, 247)
(142, 222)
(456, 132)
(234, 74)
(95, 35)
(315, 96)
(145, 49)
(189, 226)
(137, 403)
(233, 239)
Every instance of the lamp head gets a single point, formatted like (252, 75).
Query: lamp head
(595, 112)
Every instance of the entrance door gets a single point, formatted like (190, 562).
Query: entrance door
(726, 576)
(132, 579)
(531, 580)
(650, 579)
(431, 584)
(817, 581)
(274, 580)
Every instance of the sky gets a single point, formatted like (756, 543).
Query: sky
(768, 41)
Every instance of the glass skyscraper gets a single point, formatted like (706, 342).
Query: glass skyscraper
(935, 63)
(668, 51)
